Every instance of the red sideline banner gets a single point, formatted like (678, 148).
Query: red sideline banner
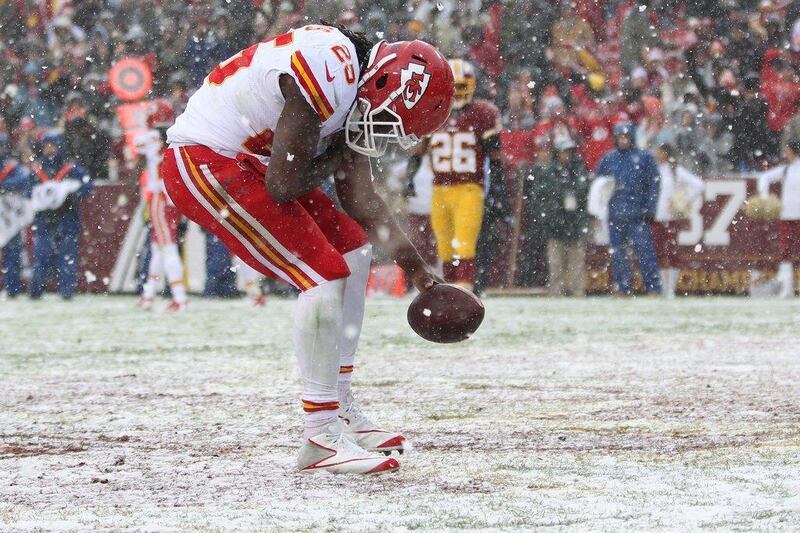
(719, 248)
(105, 215)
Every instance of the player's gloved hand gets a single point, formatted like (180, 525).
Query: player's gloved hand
(423, 279)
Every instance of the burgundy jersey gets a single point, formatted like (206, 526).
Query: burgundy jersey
(456, 150)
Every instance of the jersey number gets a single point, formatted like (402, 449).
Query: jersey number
(346, 58)
(719, 233)
(454, 152)
(231, 66)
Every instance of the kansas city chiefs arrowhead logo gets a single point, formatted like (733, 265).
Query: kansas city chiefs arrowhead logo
(414, 81)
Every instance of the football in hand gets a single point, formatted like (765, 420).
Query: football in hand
(445, 313)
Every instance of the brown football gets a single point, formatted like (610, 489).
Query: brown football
(445, 313)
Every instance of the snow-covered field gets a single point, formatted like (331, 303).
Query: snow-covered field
(597, 414)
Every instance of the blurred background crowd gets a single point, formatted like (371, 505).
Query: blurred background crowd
(716, 78)
(718, 81)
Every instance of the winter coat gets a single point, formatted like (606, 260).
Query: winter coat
(636, 178)
(748, 124)
(557, 198)
(634, 34)
(14, 178)
(88, 143)
(783, 97)
(568, 33)
(68, 214)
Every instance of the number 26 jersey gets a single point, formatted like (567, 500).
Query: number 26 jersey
(456, 150)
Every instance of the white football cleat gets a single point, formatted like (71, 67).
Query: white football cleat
(369, 436)
(334, 452)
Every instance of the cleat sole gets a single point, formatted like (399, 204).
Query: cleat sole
(390, 465)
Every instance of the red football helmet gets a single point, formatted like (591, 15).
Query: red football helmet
(404, 94)
(160, 114)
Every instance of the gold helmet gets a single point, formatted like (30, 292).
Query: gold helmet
(464, 78)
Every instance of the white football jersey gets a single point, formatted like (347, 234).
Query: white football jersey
(149, 144)
(237, 108)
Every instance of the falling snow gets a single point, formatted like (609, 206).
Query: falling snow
(588, 414)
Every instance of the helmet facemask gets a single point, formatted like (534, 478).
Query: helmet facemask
(369, 131)
(382, 113)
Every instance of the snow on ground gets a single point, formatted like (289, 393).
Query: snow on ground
(585, 414)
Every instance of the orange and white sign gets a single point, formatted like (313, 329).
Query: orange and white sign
(130, 79)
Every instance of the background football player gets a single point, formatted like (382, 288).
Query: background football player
(459, 152)
(165, 260)
(246, 161)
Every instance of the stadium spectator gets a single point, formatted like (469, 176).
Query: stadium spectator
(533, 242)
(37, 97)
(559, 195)
(715, 146)
(526, 33)
(204, 50)
(57, 230)
(483, 43)
(555, 120)
(497, 219)
(448, 35)
(780, 86)
(12, 108)
(636, 35)
(569, 34)
(14, 179)
(631, 210)
(686, 133)
(595, 115)
(520, 115)
(744, 112)
(652, 131)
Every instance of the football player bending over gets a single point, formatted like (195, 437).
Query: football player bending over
(246, 160)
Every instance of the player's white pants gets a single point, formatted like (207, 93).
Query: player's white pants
(251, 277)
(165, 260)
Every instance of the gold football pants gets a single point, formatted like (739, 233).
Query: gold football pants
(456, 217)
